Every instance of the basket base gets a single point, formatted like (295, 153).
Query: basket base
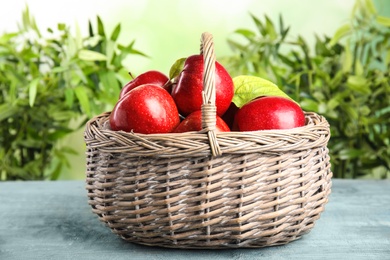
(215, 244)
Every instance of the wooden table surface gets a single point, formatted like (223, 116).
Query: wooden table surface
(52, 220)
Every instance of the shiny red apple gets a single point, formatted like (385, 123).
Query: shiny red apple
(146, 109)
(149, 77)
(193, 122)
(267, 113)
(187, 93)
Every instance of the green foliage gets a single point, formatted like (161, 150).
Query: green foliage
(345, 78)
(49, 87)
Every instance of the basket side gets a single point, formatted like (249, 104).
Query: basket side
(251, 199)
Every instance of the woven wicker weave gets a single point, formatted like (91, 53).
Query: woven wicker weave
(206, 189)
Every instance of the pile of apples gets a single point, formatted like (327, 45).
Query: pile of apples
(152, 103)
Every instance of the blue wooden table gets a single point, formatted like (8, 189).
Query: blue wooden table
(52, 220)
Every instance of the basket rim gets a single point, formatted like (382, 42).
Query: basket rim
(97, 134)
(319, 122)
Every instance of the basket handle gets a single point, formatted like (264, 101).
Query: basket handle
(209, 110)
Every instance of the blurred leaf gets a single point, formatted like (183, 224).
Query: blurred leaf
(364, 110)
(100, 27)
(321, 47)
(7, 111)
(62, 115)
(54, 175)
(5, 38)
(359, 84)
(26, 18)
(110, 83)
(285, 32)
(347, 59)
(246, 33)
(370, 7)
(385, 21)
(78, 38)
(236, 46)
(89, 55)
(68, 150)
(29, 22)
(359, 70)
(129, 49)
(305, 50)
(388, 57)
(287, 61)
(333, 103)
(340, 33)
(32, 91)
(61, 26)
(59, 134)
(270, 28)
(309, 105)
(60, 69)
(347, 154)
(81, 94)
(90, 29)
(259, 25)
(282, 31)
(110, 51)
(115, 33)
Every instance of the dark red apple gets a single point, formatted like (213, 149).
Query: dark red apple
(187, 93)
(193, 122)
(229, 115)
(149, 77)
(267, 113)
(146, 109)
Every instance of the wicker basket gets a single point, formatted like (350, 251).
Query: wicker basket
(206, 189)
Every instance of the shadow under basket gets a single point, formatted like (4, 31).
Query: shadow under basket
(206, 189)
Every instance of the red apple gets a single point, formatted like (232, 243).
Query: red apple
(270, 112)
(229, 115)
(193, 122)
(146, 109)
(149, 77)
(187, 93)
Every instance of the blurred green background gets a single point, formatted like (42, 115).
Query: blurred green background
(168, 30)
